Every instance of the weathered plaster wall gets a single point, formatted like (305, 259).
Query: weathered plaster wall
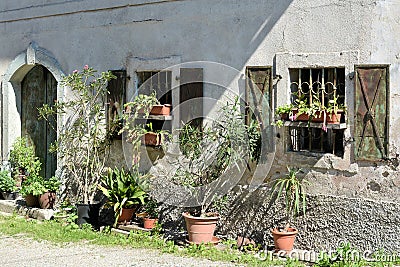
(125, 34)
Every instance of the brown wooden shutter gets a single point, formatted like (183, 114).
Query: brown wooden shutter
(191, 87)
(115, 98)
(371, 111)
(258, 90)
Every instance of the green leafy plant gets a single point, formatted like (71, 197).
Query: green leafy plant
(213, 151)
(33, 185)
(52, 184)
(293, 190)
(141, 104)
(7, 183)
(82, 143)
(140, 107)
(123, 189)
(151, 208)
(22, 158)
(285, 109)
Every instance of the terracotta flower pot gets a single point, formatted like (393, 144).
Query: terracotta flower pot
(152, 139)
(164, 110)
(334, 118)
(284, 240)
(302, 117)
(149, 223)
(319, 117)
(47, 200)
(200, 229)
(126, 214)
(330, 118)
(31, 201)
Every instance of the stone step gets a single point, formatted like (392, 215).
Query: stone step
(15, 206)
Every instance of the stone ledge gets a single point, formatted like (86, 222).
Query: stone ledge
(14, 206)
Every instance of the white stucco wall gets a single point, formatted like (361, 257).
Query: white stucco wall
(136, 34)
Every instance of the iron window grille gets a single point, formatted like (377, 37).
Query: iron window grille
(317, 86)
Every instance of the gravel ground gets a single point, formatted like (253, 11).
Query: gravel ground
(23, 251)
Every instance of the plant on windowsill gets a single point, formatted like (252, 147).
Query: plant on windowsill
(135, 132)
(295, 202)
(221, 150)
(124, 192)
(146, 105)
(82, 143)
(7, 185)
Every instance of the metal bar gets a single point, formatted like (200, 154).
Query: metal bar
(334, 142)
(323, 87)
(299, 89)
(334, 83)
(310, 88)
(321, 142)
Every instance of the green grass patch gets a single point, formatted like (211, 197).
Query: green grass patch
(60, 233)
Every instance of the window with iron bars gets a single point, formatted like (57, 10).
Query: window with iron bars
(158, 81)
(317, 86)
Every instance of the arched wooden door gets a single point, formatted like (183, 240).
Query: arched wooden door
(39, 87)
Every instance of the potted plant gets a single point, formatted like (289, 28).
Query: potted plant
(285, 111)
(146, 105)
(153, 137)
(48, 198)
(150, 217)
(124, 192)
(295, 201)
(141, 133)
(32, 188)
(7, 185)
(82, 142)
(213, 152)
(23, 160)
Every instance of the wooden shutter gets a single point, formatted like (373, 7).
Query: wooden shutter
(191, 87)
(115, 99)
(258, 90)
(258, 103)
(371, 111)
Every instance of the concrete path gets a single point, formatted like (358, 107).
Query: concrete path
(22, 251)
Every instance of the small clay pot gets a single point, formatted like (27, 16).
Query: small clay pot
(149, 223)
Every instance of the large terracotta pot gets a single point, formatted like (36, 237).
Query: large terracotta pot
(126, 214)
(47, 200)
(200, 229)
(31, 201)
(284, 240)
(149, 223)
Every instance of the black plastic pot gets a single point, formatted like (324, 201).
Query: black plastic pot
(88, 213)
(8, 195)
